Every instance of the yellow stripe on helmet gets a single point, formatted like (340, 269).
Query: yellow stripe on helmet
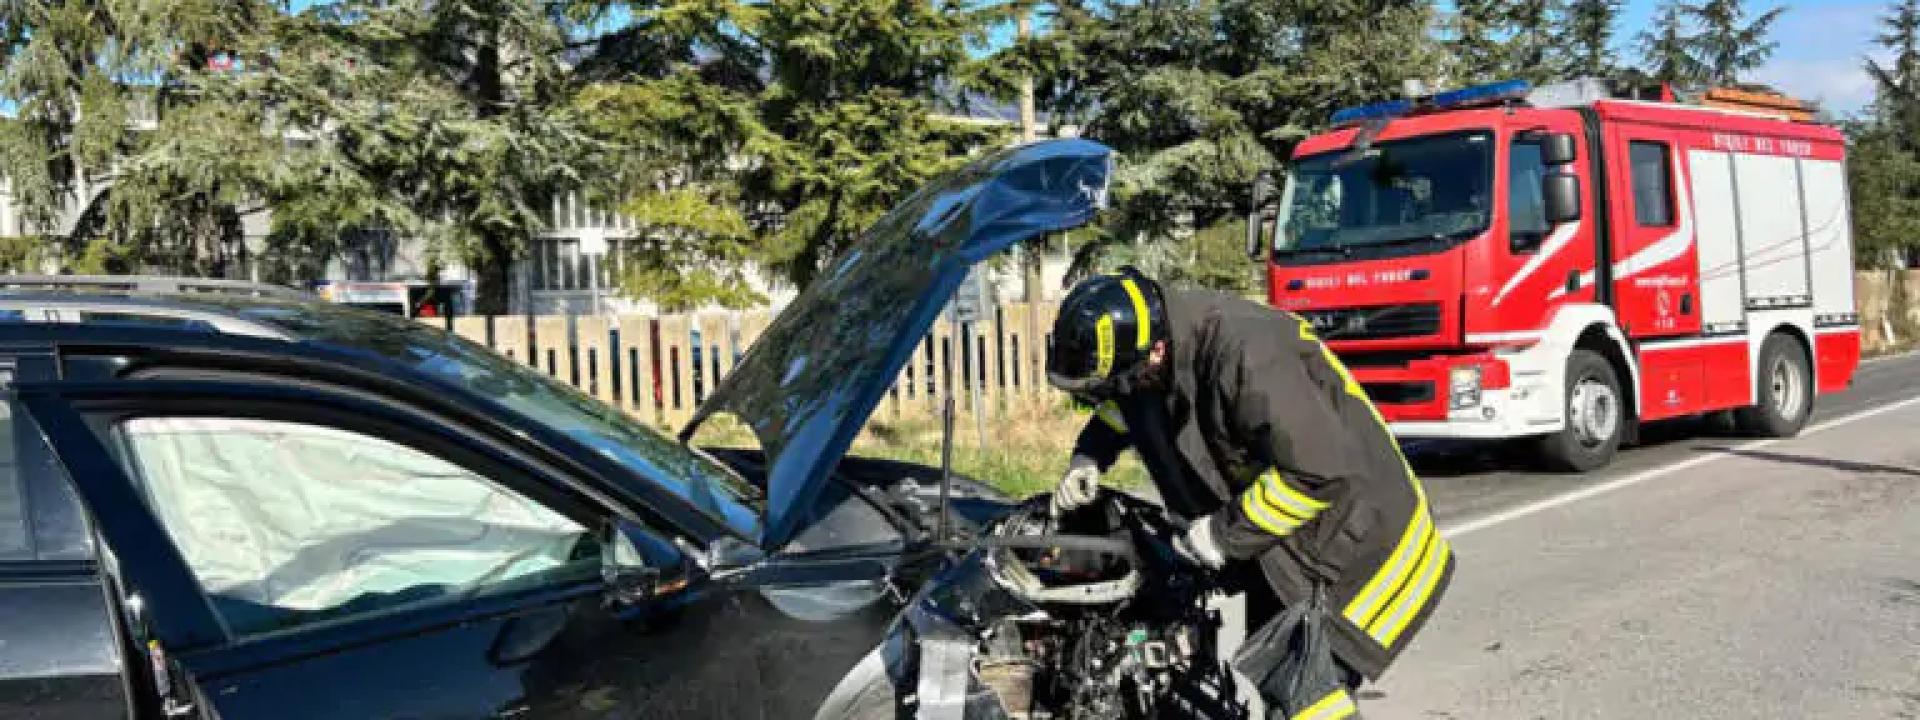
(1139, 311)
(1103, 346)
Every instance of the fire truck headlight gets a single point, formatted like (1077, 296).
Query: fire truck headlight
(1463, 387)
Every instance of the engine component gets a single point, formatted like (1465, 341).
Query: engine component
(1113, 625)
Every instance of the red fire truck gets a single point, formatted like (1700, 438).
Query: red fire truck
(1566, 264)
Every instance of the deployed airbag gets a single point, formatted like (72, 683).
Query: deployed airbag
(304, 517)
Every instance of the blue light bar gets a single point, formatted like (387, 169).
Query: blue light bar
(1463, 97)
(1391, 108)
(1481, 94)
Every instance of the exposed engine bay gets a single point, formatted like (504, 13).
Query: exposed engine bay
(1090, 615)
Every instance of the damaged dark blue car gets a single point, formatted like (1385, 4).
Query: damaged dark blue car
(285, 509)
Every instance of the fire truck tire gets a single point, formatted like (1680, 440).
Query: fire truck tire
(1596, 416)
(1785, 390)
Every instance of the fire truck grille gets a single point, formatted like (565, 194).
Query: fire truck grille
(1375, 323)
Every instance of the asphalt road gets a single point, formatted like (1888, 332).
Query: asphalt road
(1699, 576)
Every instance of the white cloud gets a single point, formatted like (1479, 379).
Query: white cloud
(1839, 84)
(1820, 54)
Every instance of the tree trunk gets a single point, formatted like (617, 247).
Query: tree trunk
(493, 266)
(493, 274)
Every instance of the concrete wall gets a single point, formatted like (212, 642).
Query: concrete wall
(1872, 291)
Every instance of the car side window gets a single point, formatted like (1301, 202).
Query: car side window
(1526, 206)
(15, 540)
(287, 524)
(40, 517)
(1652, 183)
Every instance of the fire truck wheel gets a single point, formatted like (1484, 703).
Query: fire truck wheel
(1596, 416)
(1785, 390)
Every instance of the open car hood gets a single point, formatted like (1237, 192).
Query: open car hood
(809, 382)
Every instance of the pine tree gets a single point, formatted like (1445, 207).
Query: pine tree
(1586, 27)
(1198, 97)
(1505, 39)
(458, 111)
(445, 120)
(792, 132)
(1666, 48)
(1729, 44)
(1883, 176)
(115, 129)
(1884, 161)
(859, 114)
(1897, 84)
(1477, 43)
(1533, 41)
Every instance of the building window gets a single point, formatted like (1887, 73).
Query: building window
(1652, 184)
(556, 264)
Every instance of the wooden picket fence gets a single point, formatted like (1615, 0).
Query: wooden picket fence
(659, 368)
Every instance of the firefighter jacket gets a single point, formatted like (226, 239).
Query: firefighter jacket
(1261, 431)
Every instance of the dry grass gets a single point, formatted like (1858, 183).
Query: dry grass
(1026, 449)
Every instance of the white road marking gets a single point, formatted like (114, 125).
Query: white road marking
(1592, 491)
(1877, 359)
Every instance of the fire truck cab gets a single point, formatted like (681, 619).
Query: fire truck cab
(1562, 264)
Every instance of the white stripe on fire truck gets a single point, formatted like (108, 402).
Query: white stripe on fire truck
(1555, 243)
(1662, 251)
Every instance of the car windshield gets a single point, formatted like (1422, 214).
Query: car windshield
(1426, 188)
(650, 455)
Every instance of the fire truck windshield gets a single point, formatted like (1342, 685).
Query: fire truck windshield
(1431, 189)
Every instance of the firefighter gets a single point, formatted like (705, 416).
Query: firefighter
(1258, 436)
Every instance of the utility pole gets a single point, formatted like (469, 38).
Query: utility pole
(1030, 254)
(1023, 31)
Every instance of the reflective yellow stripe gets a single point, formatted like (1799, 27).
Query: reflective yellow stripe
(1139, 311)
(1400, 569)
(1103, 346)
(1289, 499)
(1109, 413)
(1274, 523)
(1267, 500)
(1405, 609)
(1367, 603)
(1333, 706)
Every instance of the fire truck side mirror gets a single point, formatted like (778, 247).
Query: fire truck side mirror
(1557, 149)
(1257, 216)
(1560, 192)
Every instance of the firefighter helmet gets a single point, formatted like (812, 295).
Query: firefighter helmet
(1102, 337)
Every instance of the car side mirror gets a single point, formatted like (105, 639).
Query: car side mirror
(638, 565)
(1257, 216)
(1557, 149)
(1560, 192)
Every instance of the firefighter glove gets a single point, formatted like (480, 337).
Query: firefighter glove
(1198, 546)
(1077, 488)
